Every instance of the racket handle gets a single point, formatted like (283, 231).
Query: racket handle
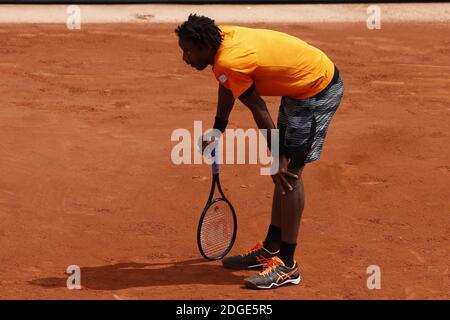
(215, 164)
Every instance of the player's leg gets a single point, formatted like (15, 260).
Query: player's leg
(273, 237)
(306, 124)
(313, 115)
(287, 209)
(292, 205)
(297, 129)
(300, 133)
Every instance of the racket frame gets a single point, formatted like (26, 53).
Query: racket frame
(209, 203)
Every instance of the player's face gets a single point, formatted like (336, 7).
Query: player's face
(197, 58)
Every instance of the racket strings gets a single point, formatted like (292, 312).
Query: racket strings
(217, 229)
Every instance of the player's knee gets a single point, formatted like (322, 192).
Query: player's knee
(297, 171)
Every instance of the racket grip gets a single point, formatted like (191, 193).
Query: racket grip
(215, 163)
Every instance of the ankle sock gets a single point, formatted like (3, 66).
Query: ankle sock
(273, 239)
(287, 253)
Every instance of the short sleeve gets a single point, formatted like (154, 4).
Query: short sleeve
(233, 70)
(236, 82)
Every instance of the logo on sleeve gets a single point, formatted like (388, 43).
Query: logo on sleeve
(223, 78)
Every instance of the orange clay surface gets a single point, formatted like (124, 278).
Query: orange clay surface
(87, 179)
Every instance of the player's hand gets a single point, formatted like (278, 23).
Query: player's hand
(279, 178)
(202, 144)
(206, 143)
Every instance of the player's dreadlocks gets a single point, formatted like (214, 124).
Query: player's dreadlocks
(201, 31)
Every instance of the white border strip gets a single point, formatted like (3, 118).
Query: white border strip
(300, 13)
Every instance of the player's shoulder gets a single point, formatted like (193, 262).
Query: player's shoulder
(236, 58)
(235, 51)
(230, 28)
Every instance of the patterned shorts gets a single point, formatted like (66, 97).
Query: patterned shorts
(303, 124)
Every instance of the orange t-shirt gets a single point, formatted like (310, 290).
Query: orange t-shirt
(278, 64)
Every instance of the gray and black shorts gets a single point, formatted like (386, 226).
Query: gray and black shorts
(303, 124)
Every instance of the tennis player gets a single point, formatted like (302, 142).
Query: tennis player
(248, 64)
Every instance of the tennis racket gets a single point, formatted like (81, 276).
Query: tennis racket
(217, 227)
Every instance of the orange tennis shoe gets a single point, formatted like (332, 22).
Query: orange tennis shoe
(256, 257)
(275, 274)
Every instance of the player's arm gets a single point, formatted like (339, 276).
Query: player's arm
(225, 103)
(252, 100)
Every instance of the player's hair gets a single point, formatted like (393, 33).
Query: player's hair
(201, 31)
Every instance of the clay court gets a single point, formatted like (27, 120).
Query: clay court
(87, 178)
